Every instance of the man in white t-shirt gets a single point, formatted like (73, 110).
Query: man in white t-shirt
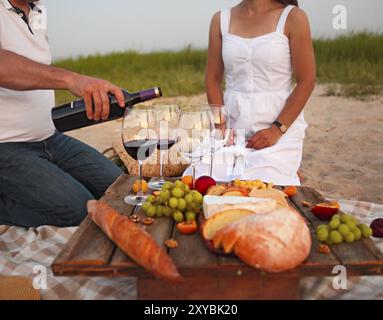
(46, 177)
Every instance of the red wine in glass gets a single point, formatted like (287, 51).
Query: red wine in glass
(141, 149)
(164, 144)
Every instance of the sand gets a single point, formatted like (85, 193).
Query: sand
(343, 152)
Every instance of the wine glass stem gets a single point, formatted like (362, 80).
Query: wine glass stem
(193, 173)
(162, 156)
(211, 162)
(140, 193)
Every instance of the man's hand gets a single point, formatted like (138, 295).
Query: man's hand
(95, 94)
(265, 138)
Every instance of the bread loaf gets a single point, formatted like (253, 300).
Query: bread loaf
(134, 241)
(274, 242)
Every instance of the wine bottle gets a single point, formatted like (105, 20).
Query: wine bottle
(72, 115)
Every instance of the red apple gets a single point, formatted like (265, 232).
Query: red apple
(325, 210)
(203, 183)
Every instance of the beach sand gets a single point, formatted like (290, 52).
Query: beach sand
(343, 152)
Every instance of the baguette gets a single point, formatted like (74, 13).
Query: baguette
(132, 240)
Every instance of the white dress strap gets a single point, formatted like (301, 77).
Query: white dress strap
(283, 18)
(225, 21)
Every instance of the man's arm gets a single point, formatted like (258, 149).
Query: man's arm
(20, 73)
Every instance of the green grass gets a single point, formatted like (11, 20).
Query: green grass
(354, 63)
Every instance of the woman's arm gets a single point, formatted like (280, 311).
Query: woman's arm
(215, 67)
(303, 63)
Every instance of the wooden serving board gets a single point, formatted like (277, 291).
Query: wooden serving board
(90, 252)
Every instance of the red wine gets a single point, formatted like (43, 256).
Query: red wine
(140, 149)
(164, 144)
(72, 115)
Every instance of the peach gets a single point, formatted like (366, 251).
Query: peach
(325, 210)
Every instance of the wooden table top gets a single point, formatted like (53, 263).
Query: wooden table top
(90, 252)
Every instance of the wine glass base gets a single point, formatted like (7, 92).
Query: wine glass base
(135, 200)
(156, 184)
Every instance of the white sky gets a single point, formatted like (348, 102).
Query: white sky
(94, 26)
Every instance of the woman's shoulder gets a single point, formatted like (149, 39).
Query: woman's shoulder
(297, 16)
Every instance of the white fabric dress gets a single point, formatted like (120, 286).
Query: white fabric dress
(258, 75)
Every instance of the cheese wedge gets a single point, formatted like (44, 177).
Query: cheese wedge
(215, 204)
(277, 195)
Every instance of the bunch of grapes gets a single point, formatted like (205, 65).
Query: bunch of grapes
(174, 200)
(342, 228)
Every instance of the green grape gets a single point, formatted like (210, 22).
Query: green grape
(336, 216)
(178, 192)
(334, 224)
(159, 212)
(173, 203)
(350, 237)
(189, 198)
(336, 237)
(151, 211)
(366, 231)
(166, 194)
(322, 234)
(186, 188)
(181, 204)
(344, 229)
(150, 198)
(167, 186)
(178, 216)
(146, 206)
(167, 211)
(190, 216)
(179, 184)
(357, 234)
(351, 225)
(322, 226)
(345, 218)
(198, 198)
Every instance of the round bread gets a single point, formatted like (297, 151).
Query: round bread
(274, 242)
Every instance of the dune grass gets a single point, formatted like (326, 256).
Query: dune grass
(352, 66)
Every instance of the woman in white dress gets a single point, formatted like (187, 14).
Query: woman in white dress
(257, 46)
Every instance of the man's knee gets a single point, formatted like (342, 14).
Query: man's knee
(71, 212)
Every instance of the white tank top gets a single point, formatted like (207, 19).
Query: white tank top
(25, 115)
(258, 75)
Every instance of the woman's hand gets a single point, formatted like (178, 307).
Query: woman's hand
(265, 138)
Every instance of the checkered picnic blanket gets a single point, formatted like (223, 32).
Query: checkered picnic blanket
(26, 253)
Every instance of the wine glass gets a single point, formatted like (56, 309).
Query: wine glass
(221, 133)
(196, 126)
(166, 117)
(140, 141)
(238, 140)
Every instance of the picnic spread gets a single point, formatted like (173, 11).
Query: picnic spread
(90, 254)
(21, 250)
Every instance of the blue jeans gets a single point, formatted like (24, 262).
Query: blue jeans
(49, 182)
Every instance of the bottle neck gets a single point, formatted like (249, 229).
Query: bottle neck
(141, 96)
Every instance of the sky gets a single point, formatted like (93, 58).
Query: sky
(94, 26)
